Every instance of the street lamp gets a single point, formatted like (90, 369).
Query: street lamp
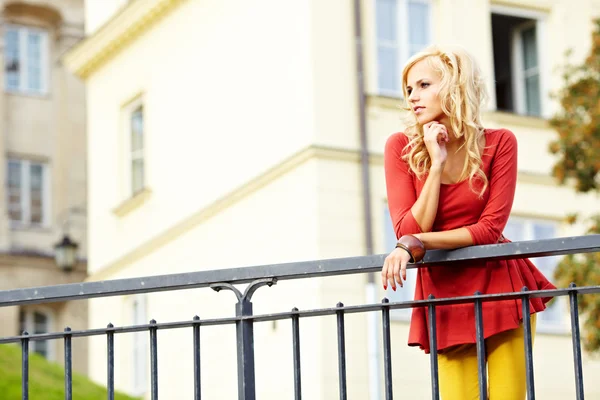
(65, 253)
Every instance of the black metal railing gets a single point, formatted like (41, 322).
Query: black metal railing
(268, 275)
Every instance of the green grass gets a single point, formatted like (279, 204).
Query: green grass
(46, 379)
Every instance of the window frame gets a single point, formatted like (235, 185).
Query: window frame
(518, 67)
(22, 31)
(25, 189)
(539, 20)
(137, 154)
(127, 156)
(30, 324)
(401, 43)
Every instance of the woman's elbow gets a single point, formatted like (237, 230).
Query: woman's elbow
(485, 235)
(407, 229)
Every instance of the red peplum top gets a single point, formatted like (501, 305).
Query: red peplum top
(485, 219)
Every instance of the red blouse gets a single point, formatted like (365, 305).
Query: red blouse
(485, 219)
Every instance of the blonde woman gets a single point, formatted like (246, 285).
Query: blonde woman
(450, 184)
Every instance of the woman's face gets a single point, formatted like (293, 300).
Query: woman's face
(423, 86)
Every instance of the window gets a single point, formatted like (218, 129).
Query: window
(36, 321)
(137, 150)
(407, 292)
(403, 29)
(140, 345)
(28, 193)
(26, 60)
(516, 41)
(519, 229)
(133, 149)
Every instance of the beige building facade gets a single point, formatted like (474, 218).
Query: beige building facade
(43, 168)
(226, 133)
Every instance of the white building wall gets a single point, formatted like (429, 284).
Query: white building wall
(98, 12)
(211, 122)
(333, 61)
(273, 225)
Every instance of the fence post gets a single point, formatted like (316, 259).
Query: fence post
(245, 350)
(245, 335)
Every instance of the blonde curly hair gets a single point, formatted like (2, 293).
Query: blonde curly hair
(462, 96)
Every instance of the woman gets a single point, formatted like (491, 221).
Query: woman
(450, 184)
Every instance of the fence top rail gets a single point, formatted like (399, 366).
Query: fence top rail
(293, 270)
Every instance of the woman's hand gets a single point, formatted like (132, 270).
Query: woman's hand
(435, 136)
(394, 268)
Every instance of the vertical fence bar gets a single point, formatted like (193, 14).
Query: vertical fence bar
(25, 367)
(387, 350)
(68, 366)
(341, 352)
(245, 350)
(575, 336)
(153, 361)
(110, 362)
(296, 353)
(435, 383)
(528, 345)
(481, 361)
(197, 387)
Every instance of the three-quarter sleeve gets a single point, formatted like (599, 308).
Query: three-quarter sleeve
(400, 187)
(502, 184)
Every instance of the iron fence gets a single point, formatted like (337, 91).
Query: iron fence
(268, 275)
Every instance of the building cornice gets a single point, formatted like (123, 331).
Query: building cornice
(20, 259)
(116, 34)
(534, 5)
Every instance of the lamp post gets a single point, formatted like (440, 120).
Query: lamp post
(65, 253)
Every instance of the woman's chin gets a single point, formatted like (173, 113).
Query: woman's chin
(422, 119)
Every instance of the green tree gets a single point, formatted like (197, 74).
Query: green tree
(578, 151)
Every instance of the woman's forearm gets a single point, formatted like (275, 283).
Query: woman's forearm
(425, 208)
(451, 239)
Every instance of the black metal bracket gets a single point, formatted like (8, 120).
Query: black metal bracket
(245, 334)
(247, 295)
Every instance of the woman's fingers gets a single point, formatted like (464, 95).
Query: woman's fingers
(403, 269)
(390, 265)
(435, 131)
(394, 269)
(384, 273)
(397, 267)
(442, 133)
(441, 137)
(428, 125)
